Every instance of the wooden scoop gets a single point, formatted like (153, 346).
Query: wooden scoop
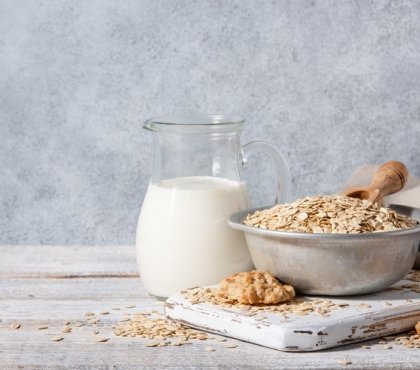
(390, 178)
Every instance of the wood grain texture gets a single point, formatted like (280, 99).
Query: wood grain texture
(72, 289)
(67, 261)
(43, 301)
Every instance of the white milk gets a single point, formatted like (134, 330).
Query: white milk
(183, 239)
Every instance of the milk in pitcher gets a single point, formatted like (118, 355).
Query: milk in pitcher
(183, 239)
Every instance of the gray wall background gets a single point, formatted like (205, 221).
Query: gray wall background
(334, 84)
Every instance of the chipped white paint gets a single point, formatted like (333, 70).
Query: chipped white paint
(365, 317)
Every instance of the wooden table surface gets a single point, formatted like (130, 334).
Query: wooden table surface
(49, 285)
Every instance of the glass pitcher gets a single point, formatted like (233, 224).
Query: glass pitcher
(183, 239)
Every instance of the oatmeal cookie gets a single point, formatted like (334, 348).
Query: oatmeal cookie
(418, 327)
(255, 287)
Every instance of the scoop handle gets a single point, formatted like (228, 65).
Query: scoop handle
(390, 178)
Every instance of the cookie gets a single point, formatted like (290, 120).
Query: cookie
(255, 288)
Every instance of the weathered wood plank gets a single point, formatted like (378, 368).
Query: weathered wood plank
(105, 283)
(30, 347)
(67, 261)
(61, 301)
(72, 289)
(81, 351)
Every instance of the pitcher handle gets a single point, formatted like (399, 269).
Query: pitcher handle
(283, 174)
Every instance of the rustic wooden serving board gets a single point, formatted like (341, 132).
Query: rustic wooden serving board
(364, 317)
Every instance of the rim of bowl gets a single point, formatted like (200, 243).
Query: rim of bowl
(236, 221)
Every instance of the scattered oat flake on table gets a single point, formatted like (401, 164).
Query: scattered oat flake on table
(78, 324)
(364, 305)
(410, 340)
(152, 344)
(157, 326)
(101, 339)
(209, 349)
(66, 329)
(57, 339)
(15, 326)
(66, 322)
(344, 362)
(104, 312)
(230, 345)
(130, 306)
(42, 327)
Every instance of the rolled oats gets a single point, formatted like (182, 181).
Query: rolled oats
(102, 339)
(344, 362)
(66, 329)
(155, 326)
(410, 340)
(230, 345)
(297, 306)
(329, 214)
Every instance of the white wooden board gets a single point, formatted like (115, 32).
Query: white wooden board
(389, 312)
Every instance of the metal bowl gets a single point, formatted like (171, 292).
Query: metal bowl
(413, 213)
(331, 264)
